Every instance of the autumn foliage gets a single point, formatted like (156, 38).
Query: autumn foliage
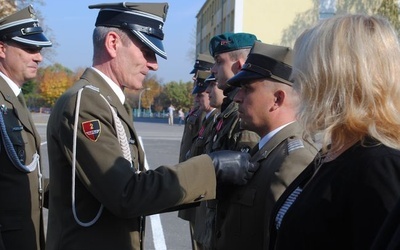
(55, 80)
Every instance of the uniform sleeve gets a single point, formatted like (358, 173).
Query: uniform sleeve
(108, 177)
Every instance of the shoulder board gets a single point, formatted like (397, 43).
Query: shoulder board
(92, 88)
(294, 145)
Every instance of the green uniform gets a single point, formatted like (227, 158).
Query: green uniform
(105, 179)
(226, 134)
(192, 125)
(21, 224)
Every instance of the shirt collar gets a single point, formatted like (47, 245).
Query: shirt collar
(268, 136)
(14, 87)
(117, 90)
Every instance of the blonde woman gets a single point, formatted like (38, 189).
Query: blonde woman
(347, 72)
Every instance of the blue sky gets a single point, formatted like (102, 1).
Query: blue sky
(72, 24)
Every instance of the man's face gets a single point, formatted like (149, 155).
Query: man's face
(134, 61)
(204, 101)
(223, 69)
(18, 62)
(255, 99)
(216, 95)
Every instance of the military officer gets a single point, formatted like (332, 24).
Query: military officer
(202, 97)
(21, 223)
(100, 190)
(196, 115)
(230, 51)
(199, 140)
(268, 106)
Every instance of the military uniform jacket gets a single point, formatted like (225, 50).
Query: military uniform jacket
(227, 134)
(198, 148)
(201, 139)
(21, 225)
(192, 125)
(243, 212)
(104, 176)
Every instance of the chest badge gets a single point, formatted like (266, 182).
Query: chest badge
(91, 129)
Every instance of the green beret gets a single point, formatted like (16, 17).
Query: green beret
(23, 27)
(144, 20)
(231, 41)
(265, 61)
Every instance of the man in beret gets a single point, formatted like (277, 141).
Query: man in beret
(21, 185)
(100, 190)
(230, 51)
(268, 106)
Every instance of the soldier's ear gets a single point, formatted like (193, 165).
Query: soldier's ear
(111, 43)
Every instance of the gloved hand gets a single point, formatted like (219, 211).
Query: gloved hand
(233, 167)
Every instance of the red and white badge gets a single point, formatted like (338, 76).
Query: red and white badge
(91, 129)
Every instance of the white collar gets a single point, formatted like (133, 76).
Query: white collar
(268, 136)
(14, 87)
(117, 90)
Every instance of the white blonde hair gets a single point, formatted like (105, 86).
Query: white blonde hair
(347, 72)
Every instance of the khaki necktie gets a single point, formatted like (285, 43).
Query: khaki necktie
(22, 100)
(128, 109)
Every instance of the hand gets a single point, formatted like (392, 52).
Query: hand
(233, 167)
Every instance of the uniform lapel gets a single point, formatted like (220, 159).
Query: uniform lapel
(277, 139)
(20, 111)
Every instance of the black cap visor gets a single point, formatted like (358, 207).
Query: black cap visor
(244, 77)
(34, 40)
(152, 42)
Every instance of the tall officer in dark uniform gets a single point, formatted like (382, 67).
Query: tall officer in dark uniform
(268, 106)
(99, 187)
(21, 221)
(230, 51)
(195, 116)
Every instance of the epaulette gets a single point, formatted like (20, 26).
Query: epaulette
(294, 144)
(92, 88)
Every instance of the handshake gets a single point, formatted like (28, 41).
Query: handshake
(233, 167)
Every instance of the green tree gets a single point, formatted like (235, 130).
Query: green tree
(179, 94)
(390, 10)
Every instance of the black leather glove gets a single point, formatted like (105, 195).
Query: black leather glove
(233, 167)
